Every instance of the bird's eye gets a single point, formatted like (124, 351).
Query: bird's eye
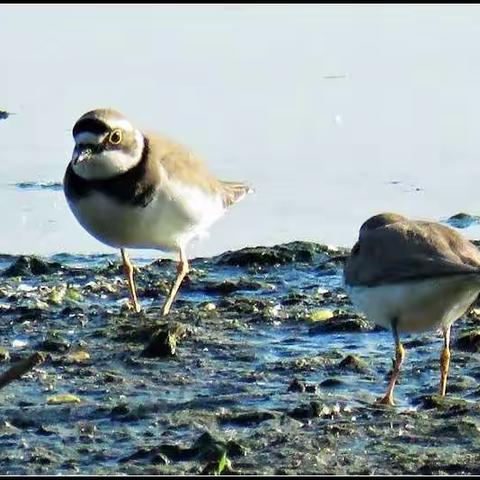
(115, 137)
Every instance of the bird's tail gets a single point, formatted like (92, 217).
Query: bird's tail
(233, 192)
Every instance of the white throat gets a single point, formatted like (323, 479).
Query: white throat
(108, 163)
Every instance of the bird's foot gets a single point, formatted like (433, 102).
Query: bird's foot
(133, 306)
(386, 400)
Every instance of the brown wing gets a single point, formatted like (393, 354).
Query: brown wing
(409, 250)
(189, 168)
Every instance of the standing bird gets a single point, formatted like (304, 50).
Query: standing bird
(131, 189)
(412, 276)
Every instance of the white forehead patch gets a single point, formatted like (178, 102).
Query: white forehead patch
(121, 123)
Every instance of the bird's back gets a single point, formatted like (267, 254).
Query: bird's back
(402, 250)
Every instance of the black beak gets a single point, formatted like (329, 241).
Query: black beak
(80, 154)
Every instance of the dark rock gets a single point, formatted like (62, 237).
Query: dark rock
(208, 447)
(27, 266)
(244, 306)
(300, 252)
(418, 342)
(296, 386)
(120, 410)
(294, 298)
(461, 428)
(331, 382)
(177, 453)
(44, 431)
(221, 466)
(42, 456)
(132, 332)
(23, 422)
(235, 449)
(342, 323)
(229, 286)
(153, 455)
(442, 403)
(460, 384)
(249, 417)
(112, 378)
(164, 342)
(53, 345)
(313, 409)
(469, 342)
(311, 388)
(353, 363)
(160, 459)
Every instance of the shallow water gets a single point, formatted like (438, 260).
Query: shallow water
(332, 112)
(237, 360)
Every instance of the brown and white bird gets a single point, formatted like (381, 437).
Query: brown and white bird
(412, 276)
(130, 189)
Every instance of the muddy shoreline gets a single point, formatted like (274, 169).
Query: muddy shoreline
(262, 367)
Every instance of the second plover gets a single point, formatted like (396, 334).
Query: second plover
(412, 276)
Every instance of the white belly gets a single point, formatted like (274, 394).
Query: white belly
(418, 305)
(165, 223)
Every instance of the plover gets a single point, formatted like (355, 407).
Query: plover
(131, 189)
(412, 276)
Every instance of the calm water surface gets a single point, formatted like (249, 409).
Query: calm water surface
(332, 112)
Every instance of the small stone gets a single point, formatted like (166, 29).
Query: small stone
(249, 417)
(29, 265)
(442, 403)
(53, 345)
(312, 410)
(296, 386)
(354, 363)
(311, 388)
(164, 342)
(79, 356)
(469, 342)
(331, 382)
(209, 307)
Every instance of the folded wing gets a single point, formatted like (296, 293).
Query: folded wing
(407, 251)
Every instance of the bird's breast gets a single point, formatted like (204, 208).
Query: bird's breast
(167, 222)
(417, 305)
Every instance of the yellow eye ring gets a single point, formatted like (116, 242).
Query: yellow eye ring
(115, 137)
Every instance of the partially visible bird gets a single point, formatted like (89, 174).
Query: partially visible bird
(4, 114)
(412, 276)
(131, 189)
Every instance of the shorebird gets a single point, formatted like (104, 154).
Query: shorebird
(412, 276)
(131, 189)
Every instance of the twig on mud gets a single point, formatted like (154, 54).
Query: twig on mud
(20, 368)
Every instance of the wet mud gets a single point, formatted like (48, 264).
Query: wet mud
(262, 367)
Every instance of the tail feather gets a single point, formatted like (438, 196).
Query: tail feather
(233, 192)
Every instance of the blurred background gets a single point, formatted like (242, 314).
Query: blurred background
(332, 112)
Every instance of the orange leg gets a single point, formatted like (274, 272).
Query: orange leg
(128, 267)
(399, 356)
(182, 270)
(445, 361)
